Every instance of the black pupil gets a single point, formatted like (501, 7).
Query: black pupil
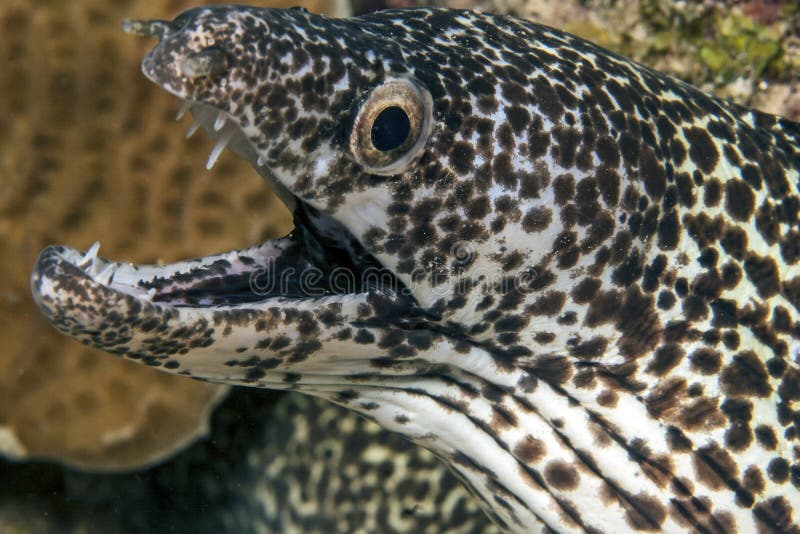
(390, 129)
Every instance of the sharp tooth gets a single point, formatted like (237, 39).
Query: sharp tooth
(220, 122)
(106, 275)
(185, 106)
(150, 294)
(192, 129)
(260, 161)
(219, 147)
(90, 255)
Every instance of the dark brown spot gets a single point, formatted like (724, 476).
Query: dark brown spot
(585, 290)
(561, 475)
(665, 358)
(529, 450)
(746, 375)
(549, 304)
(763, 273)
(665, 396)
(639, 323)
(537, 219)
(702, 413)
(714, 466)
(607, 398)
(775, 515)
(778, 470)
(706, 361)
(646, 513)
(552, 369)
(753, 480)
(564, 188)
(739, 200)
(702, 150)
(766, 437)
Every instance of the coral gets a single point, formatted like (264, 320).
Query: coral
(89, 150)
(729, 48)
(780, 98)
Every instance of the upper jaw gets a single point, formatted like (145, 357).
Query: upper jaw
(176, 65)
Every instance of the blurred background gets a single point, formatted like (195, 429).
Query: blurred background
(90, 150)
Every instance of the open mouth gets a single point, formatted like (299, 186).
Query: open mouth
(319, 259)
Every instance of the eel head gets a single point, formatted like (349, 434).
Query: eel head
(336, 119)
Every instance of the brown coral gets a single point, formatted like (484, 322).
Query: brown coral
(89, 150)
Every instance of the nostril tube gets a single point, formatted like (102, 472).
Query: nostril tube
(147, 28)
(210, 62)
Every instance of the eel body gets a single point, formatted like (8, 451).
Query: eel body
(574, 279)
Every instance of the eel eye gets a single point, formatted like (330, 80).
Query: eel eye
(392, 127)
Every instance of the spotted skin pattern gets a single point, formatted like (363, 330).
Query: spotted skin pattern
(593, 307)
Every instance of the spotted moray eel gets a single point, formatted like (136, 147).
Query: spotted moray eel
(574, 279)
